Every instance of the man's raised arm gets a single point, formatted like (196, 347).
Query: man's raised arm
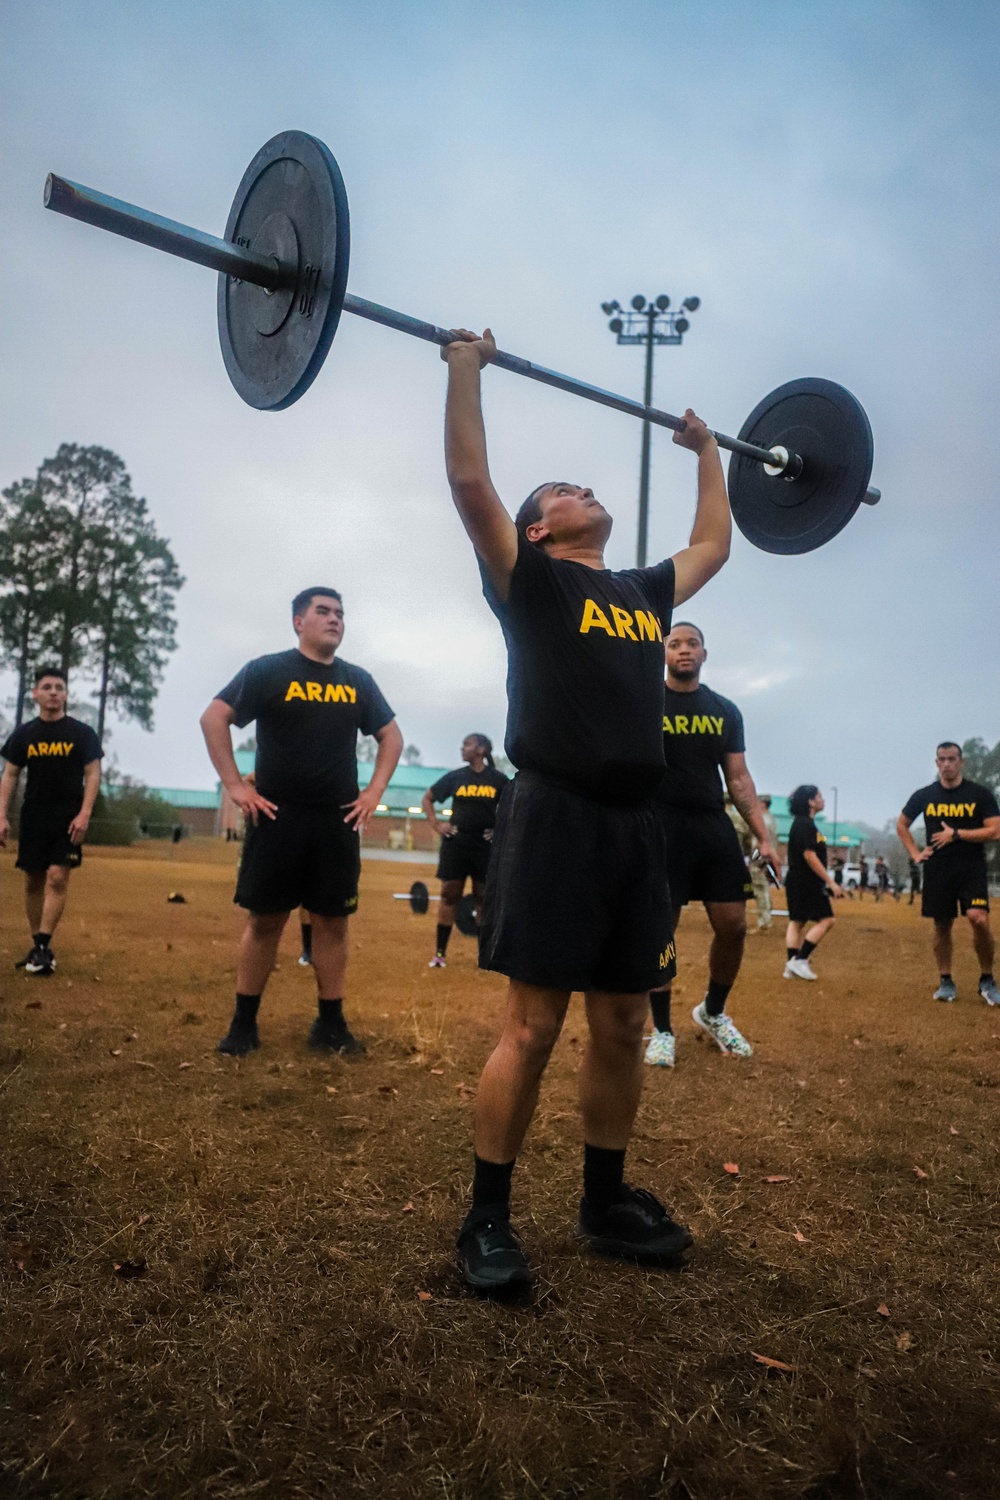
(490, 528)
(712, 532)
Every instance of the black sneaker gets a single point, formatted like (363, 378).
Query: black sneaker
(637, 1227)
(240, 1039)
(328, 1037)
(489, 1255)
(38, 961)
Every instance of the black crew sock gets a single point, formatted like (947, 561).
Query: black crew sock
(41, 939)
(985, 978)
(491, 1183)
(246, 1009)
(659, 1004)
(603, 1173)
(792, 952)
(715, 999)
(307, 939)
(806, 949)
(443, 934)
(331, 1012)
(948, 977)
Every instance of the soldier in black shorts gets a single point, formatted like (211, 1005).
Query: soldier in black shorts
(63, 759)
(466, 839)
(304, 813)
(576, 892)
(703, 733)
(809, 888)
(960, 817)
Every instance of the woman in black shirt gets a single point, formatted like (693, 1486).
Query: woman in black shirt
(808, 885)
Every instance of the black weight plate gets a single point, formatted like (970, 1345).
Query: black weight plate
(419, 898)
(827, 426)
(291, 204)
(465, 916)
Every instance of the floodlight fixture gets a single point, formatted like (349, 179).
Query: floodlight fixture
(692, 303)
(682, 325)
(638, 302)
(616, 325)
(662, 303)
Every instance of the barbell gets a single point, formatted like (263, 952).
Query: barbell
(801, 464)
(466, 908)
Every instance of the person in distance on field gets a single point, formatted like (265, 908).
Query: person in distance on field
(467, 837)
(63, 758)
(808, 885)
(576, 892)
(304, 813)
(960, 819)
(703, 736)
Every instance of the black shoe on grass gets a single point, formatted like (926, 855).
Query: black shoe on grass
(240, 1039)
(637, 1227)
(39, 961)
(326, 1037)
(489, 1255)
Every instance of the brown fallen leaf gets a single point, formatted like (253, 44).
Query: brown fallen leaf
(777, 1179)
(133, 1036)
(33, 1005)
(407, 1208)
(331, 1088)
(116, 1052)
(801, 1237)
(732, 1167)
(904, 1342)
(919, 1172)
(143, 1218)
(185, 1065)
(424, 1296)
(774, 1364)
(62, 1025)
(438, 1073)
(387, 1088)
(857, 1041)
(952, 1130)
(882, 1310)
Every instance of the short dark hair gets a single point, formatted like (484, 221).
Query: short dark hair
(41, 672)
(486, 745)
(798, 802)
(302, 600)
(530, 511)
(676, 625)
(951, 745)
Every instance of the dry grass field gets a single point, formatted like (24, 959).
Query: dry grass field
(232, 1279)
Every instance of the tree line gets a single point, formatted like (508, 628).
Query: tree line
(86, 583)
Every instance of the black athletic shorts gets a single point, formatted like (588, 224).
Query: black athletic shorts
(704, 858)
(464, 856)
(576, 894)
(43, 838)
(306, 857)
(807, 899)
(948, 891)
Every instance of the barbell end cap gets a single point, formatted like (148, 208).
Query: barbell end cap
(871, 497)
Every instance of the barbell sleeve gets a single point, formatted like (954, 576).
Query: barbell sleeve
(134, 223)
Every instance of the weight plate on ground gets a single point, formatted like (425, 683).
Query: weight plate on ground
(291, 205)
(419, 898)
(828, 428)
(466, 916)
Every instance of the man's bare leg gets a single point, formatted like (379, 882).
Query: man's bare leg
(34, 899)
(611, 1075)
(510, 1082)
(982, 938)
(54, 898)
(943, 945)
(255, 960)
(451, 894)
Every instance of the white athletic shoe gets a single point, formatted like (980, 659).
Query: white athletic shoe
(662, 1050)
(722, 1031)
(799, 968)
(438, 962)
(946, 991)
(988, 990)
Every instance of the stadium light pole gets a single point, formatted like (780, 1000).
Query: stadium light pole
(648, 323)
(835, 795)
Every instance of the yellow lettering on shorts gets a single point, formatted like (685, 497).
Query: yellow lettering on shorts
(623, 623)
(294, 691)
(668, 955)
(648, 626)
(594, 618)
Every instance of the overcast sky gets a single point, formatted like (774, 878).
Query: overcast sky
(823, 176)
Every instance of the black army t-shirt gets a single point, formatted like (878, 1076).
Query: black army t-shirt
(699, 728)
(804, 835)
(308, 716)
(55, 752)
(585, 672)
(474, 797)
(967, 805)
